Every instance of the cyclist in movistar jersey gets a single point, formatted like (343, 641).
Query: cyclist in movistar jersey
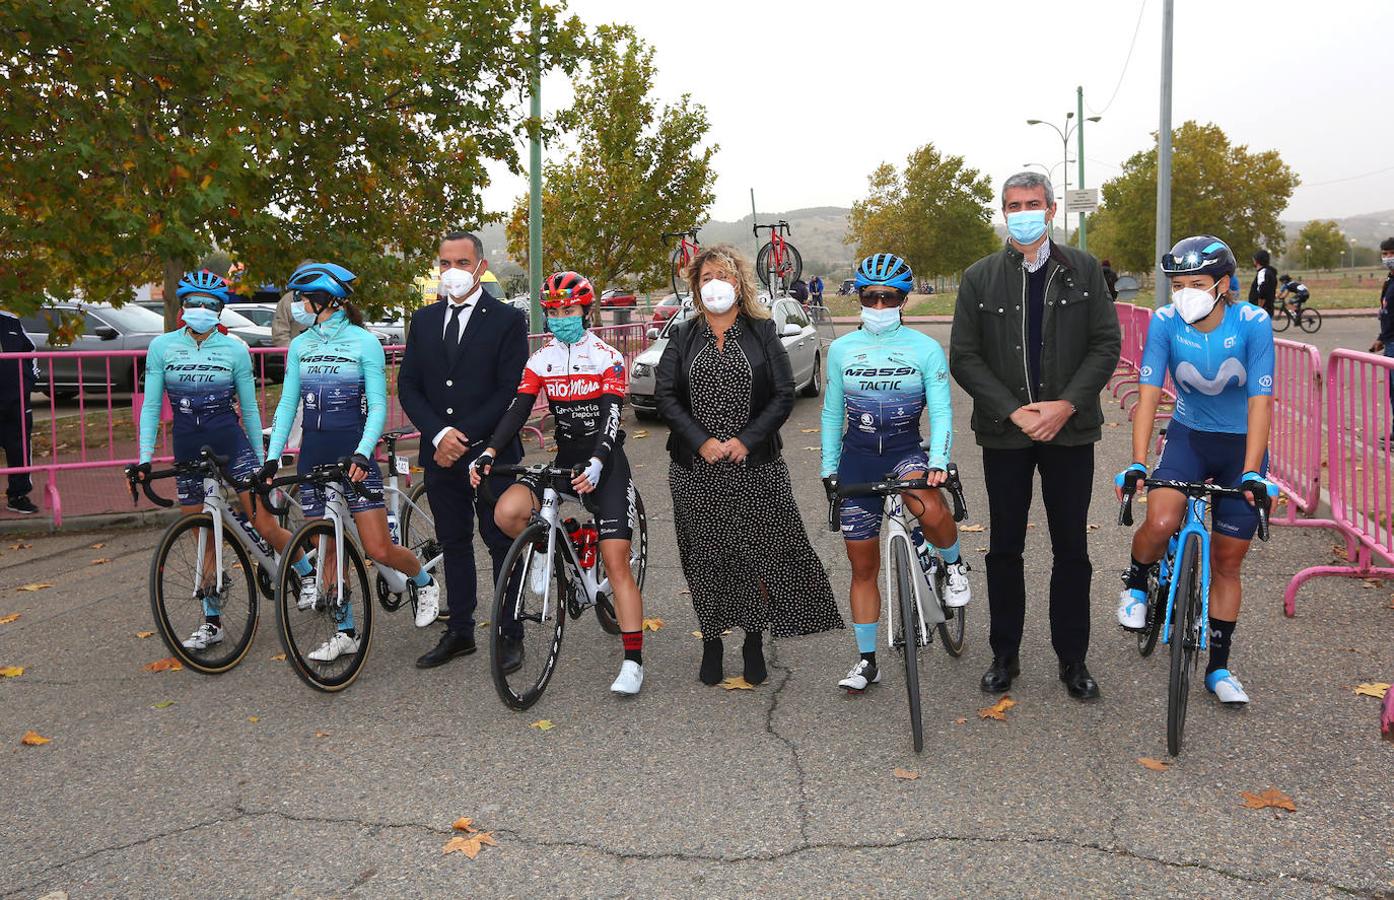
(1219, 351)
(584, 380)
(208, 376)
(880, 379)
(336, 368)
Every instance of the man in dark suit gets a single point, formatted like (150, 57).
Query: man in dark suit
(463, 362)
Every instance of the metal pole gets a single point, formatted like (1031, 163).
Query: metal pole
(1164, 153)
(1065, 135)
(1083, 228)
(535, 176)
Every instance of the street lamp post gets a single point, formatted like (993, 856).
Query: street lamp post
(1068, 130)
(1309, 259)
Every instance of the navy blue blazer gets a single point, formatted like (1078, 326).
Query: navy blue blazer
(472, 392)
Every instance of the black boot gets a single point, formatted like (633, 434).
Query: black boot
(754, 653)
(451, 645)
(998, 679)
(711, 671)
(1078, 681)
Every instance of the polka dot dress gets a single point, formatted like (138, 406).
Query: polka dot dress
(742, 542)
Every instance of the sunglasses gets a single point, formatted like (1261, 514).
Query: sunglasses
(316, 298)
(202, 301)
(881, 298)
(559, 294)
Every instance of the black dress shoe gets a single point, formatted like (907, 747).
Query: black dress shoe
(1078, 681)
(451, 645)
(998, 679)
(510, 654)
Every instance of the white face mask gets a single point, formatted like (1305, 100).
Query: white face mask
(718, 296)
(456, 283)
(1193, 304)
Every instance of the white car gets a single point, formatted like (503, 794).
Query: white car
(799, 336)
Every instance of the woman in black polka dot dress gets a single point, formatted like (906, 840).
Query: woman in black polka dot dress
(725, 387)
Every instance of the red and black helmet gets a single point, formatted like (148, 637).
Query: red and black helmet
(566, 289)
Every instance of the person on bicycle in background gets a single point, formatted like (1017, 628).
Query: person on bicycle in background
(1288, 285)
(584, 379)
(336, 369)
(880, 379)
(207, 376)
(1219, 351)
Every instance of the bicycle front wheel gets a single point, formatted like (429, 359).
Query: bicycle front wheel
(907, 631)
(187, 588)
(1281, 320)
(530, 607)
(1185, 641)
(1309, 320)
(310, 620)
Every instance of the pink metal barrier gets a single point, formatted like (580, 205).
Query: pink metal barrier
(1130, 353)
(1360, 473)
(1294, 441)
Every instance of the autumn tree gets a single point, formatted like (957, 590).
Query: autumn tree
(1319, 245)
(636, 169)
(936, 213)
(1216, 188)
(138, 134)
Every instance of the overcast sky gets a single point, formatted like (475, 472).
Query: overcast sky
(863, 82)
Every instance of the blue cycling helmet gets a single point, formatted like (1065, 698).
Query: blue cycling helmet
(885, 269)
(202, 282)
(1203, 254)
(333, 280)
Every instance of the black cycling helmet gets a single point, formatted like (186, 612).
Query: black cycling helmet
(1284, 279)
(1203, 254)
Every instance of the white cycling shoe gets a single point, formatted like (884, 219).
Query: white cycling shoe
(863, 674)
(340, 644)
(1132, 609)
(630, 679)
(960, 591)
(205, 636)
(309, 592)
(427, 603)
(1226, 688)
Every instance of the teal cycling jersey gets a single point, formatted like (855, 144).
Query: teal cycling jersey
(202, 380)
(878, 386)
(338, 371)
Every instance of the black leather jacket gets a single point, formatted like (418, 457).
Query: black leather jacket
(771, 390)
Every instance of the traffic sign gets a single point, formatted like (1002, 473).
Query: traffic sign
(1082, 200)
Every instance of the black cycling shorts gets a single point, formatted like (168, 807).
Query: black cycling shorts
(612, 502)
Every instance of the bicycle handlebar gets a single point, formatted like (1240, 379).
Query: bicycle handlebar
(1195, 490)
(692, 233)
(206, 463)
(952, 483)
(543, 470)
(329, 473)
(782, 225)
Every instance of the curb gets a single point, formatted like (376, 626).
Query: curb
(135, 519)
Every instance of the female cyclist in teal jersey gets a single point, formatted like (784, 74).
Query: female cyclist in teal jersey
(880, 379)
(1219, 351)
(336, 368)
(207, 376)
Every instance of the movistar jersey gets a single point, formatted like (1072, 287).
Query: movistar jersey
(202, 381)
(1214, 373)
(878, 385)
(338, 371)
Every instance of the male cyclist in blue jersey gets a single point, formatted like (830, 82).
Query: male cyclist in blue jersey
(208, 377)
(880, 379)
(1219, 351)
(336, 368)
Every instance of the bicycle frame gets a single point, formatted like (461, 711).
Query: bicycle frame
(898, 527)
(227, 516)
(1195, 524)
(550, 514)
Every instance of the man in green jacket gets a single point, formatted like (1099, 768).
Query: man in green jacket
(1035, 339)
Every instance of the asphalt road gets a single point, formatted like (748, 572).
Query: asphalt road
(249, 784)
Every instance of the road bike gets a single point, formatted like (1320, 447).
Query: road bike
(553, 570)
(778, 264)
(1296, 313)
(306, 625)
(683, 254)
(916, 579)
(1184, 615)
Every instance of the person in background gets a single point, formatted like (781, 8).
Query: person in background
(17, 381)
(1110, 278)
(1264, 289)
(1384, 343)
(285, 328)
(815, 290)
(798, 289)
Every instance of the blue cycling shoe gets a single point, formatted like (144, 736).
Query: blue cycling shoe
(1226, 688)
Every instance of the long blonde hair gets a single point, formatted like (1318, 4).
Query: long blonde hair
(731, 262)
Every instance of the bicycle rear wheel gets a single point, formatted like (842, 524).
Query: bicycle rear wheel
(184, 591)
(1309, 320)
(1281, 320)
(676, 265)
(907, 631)
(638, 562)
(540, 606)
(1156, 613)
(307, 632)
(1185, 641)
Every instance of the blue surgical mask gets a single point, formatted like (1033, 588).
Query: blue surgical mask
(1027, 226)
(301, 315)
(568, 329)
(878, 321)
(200, 319)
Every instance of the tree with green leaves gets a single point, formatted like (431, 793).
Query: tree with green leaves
(637, 169)
(136, 135)
(936, 213)
(1217, 188)
(1319, 245)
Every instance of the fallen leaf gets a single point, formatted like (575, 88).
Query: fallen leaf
(34, 586)
(96, 546)
(997, 710)
(482, 625)
(973, 529)
(1156, 765)
(279, 657)
(1271, 798)
(470, 846)
(982, 549)
(11, 671)
(254, 719)
(1111, 424)
(163, 704)
(21, 546)
(321, 734)
(906, 774)
(543, 725)
(144, 634)
(1030, 524)
(641, 433)
(697, 634)
(651, 624)
(813, 449)
(34, 739)
(100, 561)
(463, 824)
(1339, 551)
(1376, 689)
(168, 664)
(960, 721)
(737, 683)
(1091, 527)
(685, 592)
(5, 620)
(809, 430)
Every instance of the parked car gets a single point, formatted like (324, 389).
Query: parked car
(848, 286)
(243, 326)
(105, 329)
(798, 334)
(260, 313)
(663, 310)
(618, 297)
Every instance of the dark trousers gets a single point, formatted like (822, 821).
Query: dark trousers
(1067, 480)
(16, 430)
(454, 504)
